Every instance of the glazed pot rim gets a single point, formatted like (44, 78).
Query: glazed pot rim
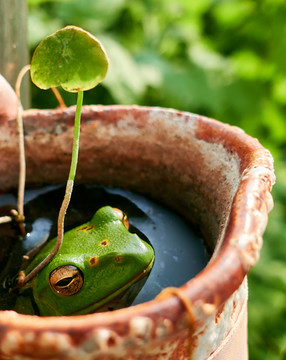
(240, 246)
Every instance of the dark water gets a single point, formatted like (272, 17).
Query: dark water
(179, 253)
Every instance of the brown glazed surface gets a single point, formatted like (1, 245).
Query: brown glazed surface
(213, 174)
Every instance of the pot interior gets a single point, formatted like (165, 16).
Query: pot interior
(159, 153)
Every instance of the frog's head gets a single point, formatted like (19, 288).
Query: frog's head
(97, 262)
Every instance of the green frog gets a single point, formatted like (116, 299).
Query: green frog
(99, 265)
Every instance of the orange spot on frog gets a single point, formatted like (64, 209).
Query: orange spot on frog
(86, 228)
(93, 261)
(104, 243)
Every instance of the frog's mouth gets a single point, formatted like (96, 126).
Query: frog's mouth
(120, 298)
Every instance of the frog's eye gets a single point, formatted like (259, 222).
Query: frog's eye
(66, 280)
(121, 216)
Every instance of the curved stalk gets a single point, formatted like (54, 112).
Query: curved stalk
(22, 173)
(67, 196)
(58, 97)
(18, 215)
(5, 219)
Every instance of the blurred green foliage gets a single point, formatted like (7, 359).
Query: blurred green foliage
(222, 58)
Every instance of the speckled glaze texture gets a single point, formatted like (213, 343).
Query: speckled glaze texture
(213, 174)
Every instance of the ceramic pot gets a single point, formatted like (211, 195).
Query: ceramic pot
(213, 174)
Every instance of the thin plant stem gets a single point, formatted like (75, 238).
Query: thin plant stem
(22, 172)
(18, 215)
(58, 97)
(5, 219)
(67, 197)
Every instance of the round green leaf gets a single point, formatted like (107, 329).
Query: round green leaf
(71, 58)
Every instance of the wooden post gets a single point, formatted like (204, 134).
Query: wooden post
(13, 44)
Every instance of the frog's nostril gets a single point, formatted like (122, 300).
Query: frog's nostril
(118, 258)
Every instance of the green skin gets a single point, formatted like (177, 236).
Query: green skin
(109, 257)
